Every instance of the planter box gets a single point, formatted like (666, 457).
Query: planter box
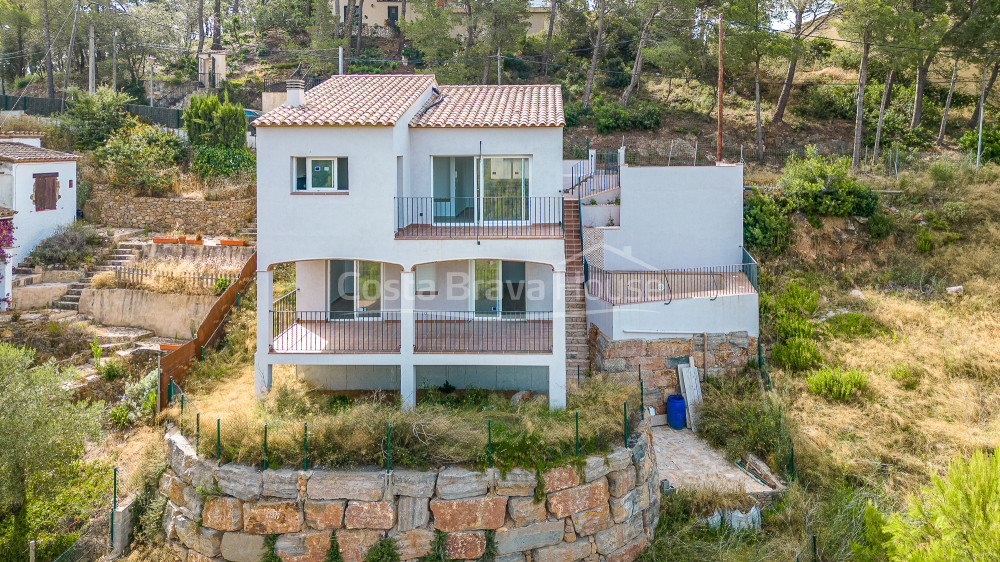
(199, 242)
(232, 242)
(164, 240)
(169, 346)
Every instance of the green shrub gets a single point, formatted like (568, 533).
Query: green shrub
(221, 284)
(822, 185)
(333, 552)
(798, 299)
(790, 326)
(215, 161)
(836, 383)
(269, 554)
(880, 225)
(955, 518)
(384, 550)
(94, 118)
(766, 226)
(925, 241)
(907, 375)
(229, 126)
(796, 354)
(942, 173)
(991, 143)
(210, 121)
(611, 117)
(828, 101)
(141, 160)
(112, 369)
(852, 325)
(70, 246)
(874, 538)
(953, 212)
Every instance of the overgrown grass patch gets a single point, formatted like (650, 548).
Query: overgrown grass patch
(836, 383)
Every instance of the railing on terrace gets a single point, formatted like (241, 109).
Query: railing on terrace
(131, 275)
(322, 331)
(634, 287)
(479, 217)
(476, 332)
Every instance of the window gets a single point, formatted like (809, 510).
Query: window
(46, 192)
(426, 278)
(320, 174)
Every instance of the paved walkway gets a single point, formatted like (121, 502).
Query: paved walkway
(687, 461)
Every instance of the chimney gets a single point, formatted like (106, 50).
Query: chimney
(296, 92)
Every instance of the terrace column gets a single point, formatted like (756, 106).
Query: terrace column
(557, 368)
(261, 363)
(407, 373)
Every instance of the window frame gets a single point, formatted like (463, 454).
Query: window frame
(334, 175)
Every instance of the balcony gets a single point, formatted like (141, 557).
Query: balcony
(327, 332)
(478, 217)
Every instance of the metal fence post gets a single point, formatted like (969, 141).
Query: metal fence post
(815, 557)
(578, 376)
(265, 446)
(31, 548)
(218, 440)
(197, 432)
(489, 440)
(305, 445)
(642, 397)
(578, 433)
(114, 507)
(625, 421)
(170, 391)
(388, 449)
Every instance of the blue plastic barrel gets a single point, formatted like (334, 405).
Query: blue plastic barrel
(675, 411)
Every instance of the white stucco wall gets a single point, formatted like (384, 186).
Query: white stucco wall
(31, 226)
(677, 217)
(655, 320)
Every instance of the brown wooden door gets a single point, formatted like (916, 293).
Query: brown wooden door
(46, 191)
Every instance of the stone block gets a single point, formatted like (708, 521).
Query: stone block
(209, 542)
(586, 523)
(201, 475)
(186, 531)
(569, 534)
(176, 491)
(610, 540)
(650, 364)
(369, 515)
(456, 483)
(271, 517)
(512, 557)
(411, 513)
(180, 551)
(640, 449)
(223, 514)
(621, 482)
(525, 511)
(324, 514)
(594, 468)
(414, 543)
(630, 551)
(522, 539)
(241, 482)
(581, 498)
(670, 347)
(303, 547)
(241, 547)
(281, 484)
(560, 479)
(195, 556)
(469, 514)
(354, 544)
(619, 459)
(517, 482)
(179, 453)
(644, 470)
(629, 504)
(363, 486)
(625, 349)
(413, 483)
(169, 513)
(565, 552)
(465, 545)
(193, 503)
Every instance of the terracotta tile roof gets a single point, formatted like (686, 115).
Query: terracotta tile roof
(353, 99)
(20, 152)
(494, 106)
(21, 135)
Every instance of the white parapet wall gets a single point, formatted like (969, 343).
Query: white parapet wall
(655, 320)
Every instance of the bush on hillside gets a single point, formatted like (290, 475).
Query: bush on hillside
(639, 115)
(209, 121)
(836, 383)
(70, 246)
(823, 185)
(141, 160)
(766, 226)
(93, 118)
(991, 143)
(828, 101)
(216, 161)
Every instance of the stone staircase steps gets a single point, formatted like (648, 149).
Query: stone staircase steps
(121, 255)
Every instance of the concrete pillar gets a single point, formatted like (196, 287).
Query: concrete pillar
(6, 282)
(262, 364)
(557, 368)
(592, 161)
(407, 374)
(621, 156)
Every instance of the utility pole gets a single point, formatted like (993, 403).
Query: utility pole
(718, 142)
(498, 66)
(151, 58)
(69, 52)
(114, 60)
(92, 72)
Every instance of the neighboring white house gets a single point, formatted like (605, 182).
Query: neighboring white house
(425, 223)
(37, 186)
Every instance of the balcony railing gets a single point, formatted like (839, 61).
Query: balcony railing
(471, 332)
(634, 287)
(334, 332)
(479, 217)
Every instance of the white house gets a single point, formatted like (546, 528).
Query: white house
(37, 186)
(426, 225)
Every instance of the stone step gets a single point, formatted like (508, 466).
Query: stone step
(67, 305)
(70, 298)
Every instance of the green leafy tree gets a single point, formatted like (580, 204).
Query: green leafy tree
(141, 160)
(93, 118)
(429, 32)
(956, 518)
(212, 122)
(199, 117)
(40, 427)
(821, 185)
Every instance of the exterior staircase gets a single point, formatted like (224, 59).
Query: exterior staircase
(122, 255)
(250, 230)
(577, 350)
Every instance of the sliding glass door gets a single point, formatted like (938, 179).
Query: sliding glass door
(504, 194)
(469, 189)
(355, 289)
(454, 179)
(498, 288)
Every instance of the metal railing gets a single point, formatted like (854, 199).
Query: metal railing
(479, 217)
(634, 287)
(476, 332)
(750, 268)
(323, 331)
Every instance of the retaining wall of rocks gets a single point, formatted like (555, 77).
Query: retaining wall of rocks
(606, 512)
(191, 216)
(712, 354)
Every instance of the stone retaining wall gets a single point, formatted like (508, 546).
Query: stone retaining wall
(607, 512)
(191, 216)
(658, 359)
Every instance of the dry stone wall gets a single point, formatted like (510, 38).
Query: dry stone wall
(191, 216)
(712, 354)
(606, 512)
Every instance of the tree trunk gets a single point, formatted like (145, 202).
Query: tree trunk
(989, 87)
(595, 54)
(48, 50)
(548, 38)
(349, 21)
(201, 25)
(235, 10)
(217, 27)
(756, 95)
(862, 78)
(886, 94)
(947, 104)
(470, 26)
(918, 97)
(793, 61)
(402, 18)
(361, 26)
(637, 65)
(69, 51)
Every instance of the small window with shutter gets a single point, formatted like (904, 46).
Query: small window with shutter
(46, 191)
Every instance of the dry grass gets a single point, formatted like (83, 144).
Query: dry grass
(192, 277)
(192, 186)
